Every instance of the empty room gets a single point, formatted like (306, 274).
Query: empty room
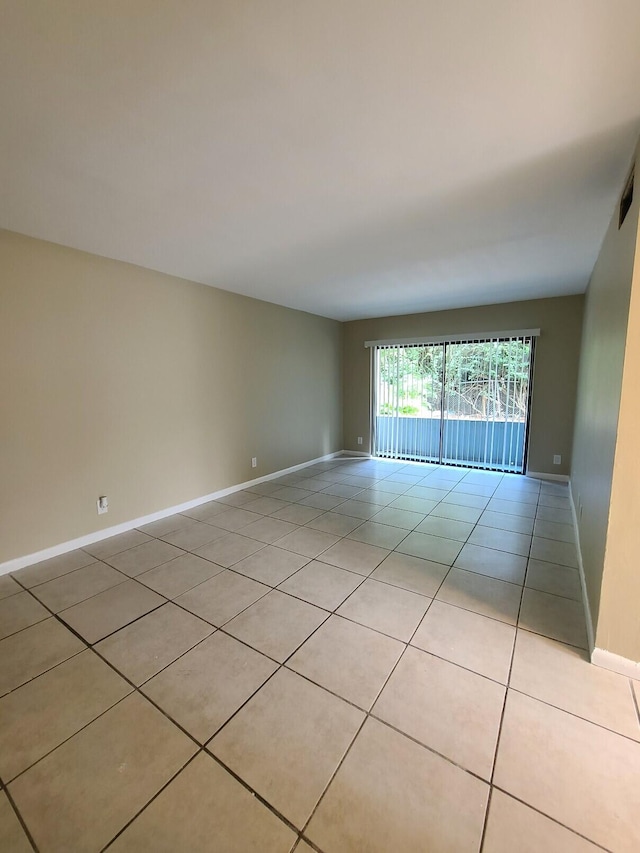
(319, 480)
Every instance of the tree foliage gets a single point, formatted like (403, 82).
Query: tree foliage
(483, 380)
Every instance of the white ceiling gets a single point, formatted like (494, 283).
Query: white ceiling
(351, 158)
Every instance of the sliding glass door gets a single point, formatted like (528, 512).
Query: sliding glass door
(454, 402)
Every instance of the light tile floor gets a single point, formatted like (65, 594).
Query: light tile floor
(418, 681)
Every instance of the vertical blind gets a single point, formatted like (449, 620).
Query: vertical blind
(463, 402)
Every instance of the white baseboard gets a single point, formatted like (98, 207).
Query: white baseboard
(609, 660)
(583, 583)
(599, 657)
(356, 453)
(64, 547)
(561, 478)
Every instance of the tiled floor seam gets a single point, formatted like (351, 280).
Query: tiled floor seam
(20, 819)
(549, 817)
(148, 803)
(504, 703)
(635, 697)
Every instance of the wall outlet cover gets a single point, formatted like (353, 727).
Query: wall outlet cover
(557, 459)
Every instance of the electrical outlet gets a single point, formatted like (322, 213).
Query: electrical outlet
(557, 459)
(102, 504)
(254, 461)
(359, 439)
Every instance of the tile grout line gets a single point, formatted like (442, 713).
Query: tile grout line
(504, 702)
(280, 665)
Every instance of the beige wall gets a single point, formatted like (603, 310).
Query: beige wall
(152, 390)
(606, 472)
(619, 623)
(598, 404)
(556, 366)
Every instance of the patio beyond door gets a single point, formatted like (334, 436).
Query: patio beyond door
(458, 402)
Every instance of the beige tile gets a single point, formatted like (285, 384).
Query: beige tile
(309, 543)
(229, 550)
(563, 553)
(555, 617)
(468, 639)
(563, 676)
(389, 609)
(33, 651)
(136, 749)
(501, 540)
(12, 836)
(321, 501)
(457, 513)
(268, 530)
(271, 565)
(267, 488)
(446, 528)
(237, 499)
(340, 490)
(77, 586)
(277, 624)
(445, 707)
(208, 684)
(18, 612)
(376, 498)
(194, 535)
(348, 659)
(333, 522)
(555, 501)
(143, 648)
(379, 535)
(396, 517)
(525, 496)
(495, 564)
(488, 596)
(266, 505)
(144, 557)
(115, 544)
(422, 506)
(428, 492)
(412, 573)
(42, 714)
(358, 509)
(235, 519)
(287, 742)
(222, 597)
(108, 611)
(558, 580)
(166, 525)
(207, 511)
(586, 777)
(559, 516)
(474, 489)
(430, 548)
(8, 586)
(53, 568)
(354, 556)
(391, 794)
(461, 499)
(513, 826)
(321, 584)
(502, 521)
(297, 513)
(553, 530)
(292, 493)
(177, 576)
(512, 508)
(223, 815)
